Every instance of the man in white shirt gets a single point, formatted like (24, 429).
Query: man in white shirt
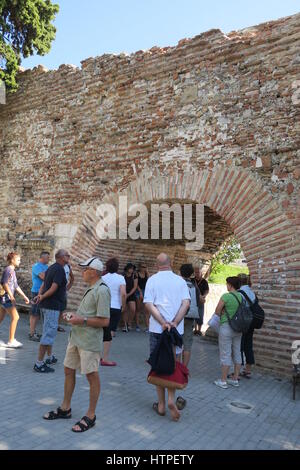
(167, 300)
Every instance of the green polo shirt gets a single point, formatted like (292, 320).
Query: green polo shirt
(95, 303)
(231, 305)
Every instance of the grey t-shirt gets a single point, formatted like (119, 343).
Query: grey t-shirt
(9, 277)
(248, 291)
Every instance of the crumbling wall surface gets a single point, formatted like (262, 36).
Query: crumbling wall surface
(219, 111)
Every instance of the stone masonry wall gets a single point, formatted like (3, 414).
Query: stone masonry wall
(214, 120)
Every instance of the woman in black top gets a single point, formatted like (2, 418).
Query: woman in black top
(131, 286)
(142, 280)
(204, 290)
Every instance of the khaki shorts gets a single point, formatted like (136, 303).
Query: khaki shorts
(86, 361)
(188, 335)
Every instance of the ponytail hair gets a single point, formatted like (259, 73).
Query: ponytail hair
(11, 256)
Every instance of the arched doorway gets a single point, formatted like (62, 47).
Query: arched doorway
(267, 238)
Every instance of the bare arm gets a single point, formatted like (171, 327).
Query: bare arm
(94, 322)
(48, 293)
(42, 276)
(21, 293)
(219, 307)
(181, 312)
(9, 292)
(71, 280)
(123, 297)
(135, 284)
(152, 310)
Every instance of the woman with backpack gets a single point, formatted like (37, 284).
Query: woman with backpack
(247, 338)
(9, 285)
(229, 340)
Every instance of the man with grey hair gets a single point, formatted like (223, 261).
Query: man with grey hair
(51, 298)
(167, 300)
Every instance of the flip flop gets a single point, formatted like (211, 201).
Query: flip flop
(180, 403)
(108, 363)
(155, 407)
(245, 374)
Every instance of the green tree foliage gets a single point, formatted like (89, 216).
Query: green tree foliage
(229, 252)
(25, 29)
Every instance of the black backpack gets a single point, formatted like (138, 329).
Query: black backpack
(243, 317)
(258, 312)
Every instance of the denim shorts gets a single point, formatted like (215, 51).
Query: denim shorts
(50, 326)
(6, 304)
(154, 339)
(137, 293)
(35, 308)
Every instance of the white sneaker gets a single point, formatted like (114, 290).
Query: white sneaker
(220, 383)
(234, 383)
(14, 344)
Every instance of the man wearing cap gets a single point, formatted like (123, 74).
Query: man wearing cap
(86, 344)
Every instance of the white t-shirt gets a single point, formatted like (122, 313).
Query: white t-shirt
(166, 291)
(67, 271)
(114, 281)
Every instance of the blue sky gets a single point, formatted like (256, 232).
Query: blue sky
(114, 26)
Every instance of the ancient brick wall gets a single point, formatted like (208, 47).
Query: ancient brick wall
(214, 120)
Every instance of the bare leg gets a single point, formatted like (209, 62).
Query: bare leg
(32, 322)
(237, 368)
(70, 381)
(147, 318)
(125, 315)
(186, 357)
(132, 313)
(12, 311)
(225, 370)
(106, 349)
(161, 399)
(171, 404)
(94, 381)
(42, 351)
(3, 312)
(139, 308)
(49, 351)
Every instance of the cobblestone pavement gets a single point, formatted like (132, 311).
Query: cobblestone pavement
(125, 419)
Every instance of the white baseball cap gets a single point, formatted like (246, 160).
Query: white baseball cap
(93, 263)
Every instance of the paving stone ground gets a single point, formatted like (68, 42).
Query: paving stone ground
(125, 419)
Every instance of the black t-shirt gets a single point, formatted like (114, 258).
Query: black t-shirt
(203, 285)
(55, 273)
(142, 281)
(130, 282)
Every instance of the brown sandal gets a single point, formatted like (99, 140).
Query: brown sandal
(155, 407)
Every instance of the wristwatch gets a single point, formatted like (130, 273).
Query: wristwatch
(85, 321)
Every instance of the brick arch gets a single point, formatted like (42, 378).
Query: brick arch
(268, 239)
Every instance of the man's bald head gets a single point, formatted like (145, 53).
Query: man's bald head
(163, 261)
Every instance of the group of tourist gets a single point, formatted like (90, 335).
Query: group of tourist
(170, 301)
